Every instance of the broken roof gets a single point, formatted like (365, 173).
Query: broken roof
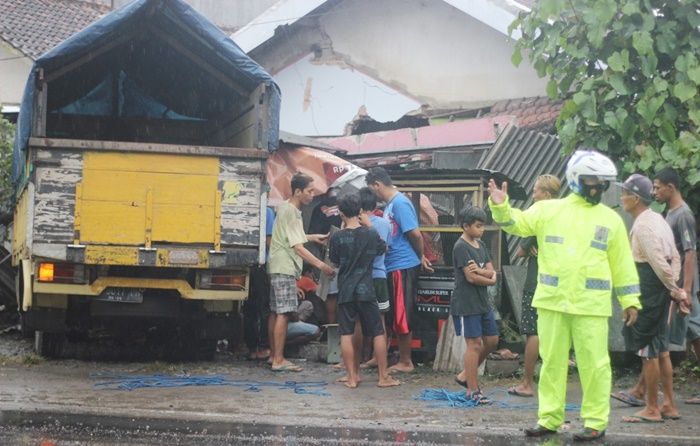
(33, 27)
(470, 132)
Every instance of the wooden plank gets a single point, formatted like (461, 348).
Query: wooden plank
(40, 105)
(67, 159)
(146, 163)
(55, 201)
(240, 227)
(221, 128)
(120, 146)
(237, 168)
(132, 186)
(240, 193)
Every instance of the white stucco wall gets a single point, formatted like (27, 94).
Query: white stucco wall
(319, 99)
(441, 55)
(14, 70)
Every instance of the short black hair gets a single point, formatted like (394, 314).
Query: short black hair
(300, 181)
(470, 214)
(368, 201)
(668, 175)
(349, 205)
(378, 175)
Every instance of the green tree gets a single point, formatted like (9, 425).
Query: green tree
(628, 71)
(7, 134)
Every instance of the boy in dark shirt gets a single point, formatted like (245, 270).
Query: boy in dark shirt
(470, 309)
(353, 250)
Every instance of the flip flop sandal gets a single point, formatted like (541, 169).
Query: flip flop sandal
(640, 419)
(513, 391)
(287, 368)
(461, 383)
(628, 399)
(671, 417)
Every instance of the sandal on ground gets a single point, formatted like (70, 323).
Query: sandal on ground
(589, 434)
(512, 390)
(287, 368)
(641, 419)
(479, 398)
(628, 398)
(538, 431)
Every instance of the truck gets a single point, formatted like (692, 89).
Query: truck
(139, 171)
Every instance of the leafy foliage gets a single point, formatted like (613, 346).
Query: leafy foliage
(7, 134)
(629, 73)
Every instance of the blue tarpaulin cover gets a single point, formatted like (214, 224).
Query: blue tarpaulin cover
(153, 80)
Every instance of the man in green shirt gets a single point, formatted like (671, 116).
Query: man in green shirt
(287, 254)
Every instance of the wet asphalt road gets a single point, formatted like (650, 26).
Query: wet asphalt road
(44, 429)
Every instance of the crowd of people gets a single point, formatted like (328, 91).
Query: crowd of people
(579, 254)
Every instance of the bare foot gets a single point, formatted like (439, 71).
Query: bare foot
(370, 364)
(339, 366)
(401, 367)
(388, 381)
(644, 416)
(670, 412)
(344, 379)
(350, 385)
(521, 390)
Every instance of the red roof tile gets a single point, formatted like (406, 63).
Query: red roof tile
(35, 26)
(538, 113)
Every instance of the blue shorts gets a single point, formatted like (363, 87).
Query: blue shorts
(476, 325)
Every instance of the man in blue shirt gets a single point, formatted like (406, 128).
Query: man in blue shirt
(403, 260)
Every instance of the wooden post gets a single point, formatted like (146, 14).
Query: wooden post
(149, 217)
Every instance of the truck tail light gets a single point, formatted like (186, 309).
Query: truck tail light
(61, 272)
(223, 280)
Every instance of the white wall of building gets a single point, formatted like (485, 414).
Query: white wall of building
(14, 71)
(439, 54)
(319, 99)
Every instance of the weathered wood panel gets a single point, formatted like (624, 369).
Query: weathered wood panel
(240, 181)
(56, 174)
(116, 208)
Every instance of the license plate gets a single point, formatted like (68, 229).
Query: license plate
(127, 295)
(183, 257)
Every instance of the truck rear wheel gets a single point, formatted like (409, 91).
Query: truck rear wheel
(49, 345)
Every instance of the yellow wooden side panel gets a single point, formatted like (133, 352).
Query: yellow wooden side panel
(19, 228)
(114, 207)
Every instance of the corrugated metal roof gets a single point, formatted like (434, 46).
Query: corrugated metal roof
(523, 155)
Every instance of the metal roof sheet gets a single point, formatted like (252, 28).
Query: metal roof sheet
(523, 155)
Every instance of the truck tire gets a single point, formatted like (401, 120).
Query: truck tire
(49, 345)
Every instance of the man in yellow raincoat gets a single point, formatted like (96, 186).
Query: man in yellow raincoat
(584, 255)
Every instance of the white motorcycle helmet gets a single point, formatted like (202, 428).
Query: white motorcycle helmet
(589, 164)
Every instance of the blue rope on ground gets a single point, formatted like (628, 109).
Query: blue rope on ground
(441, 398)
(110, 381)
